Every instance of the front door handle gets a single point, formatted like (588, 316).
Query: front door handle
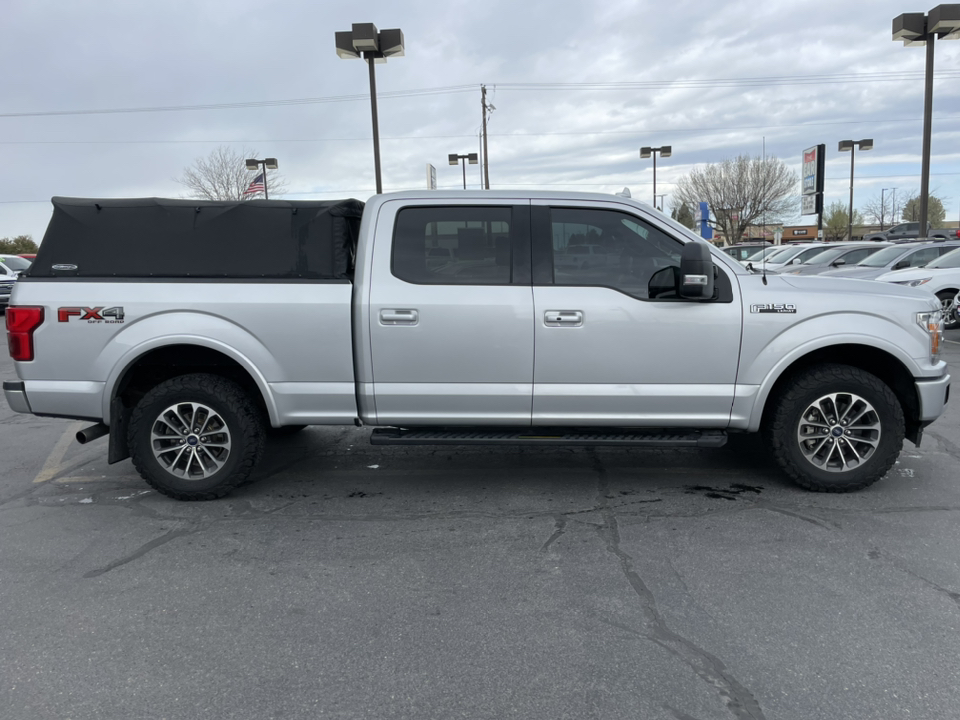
(399, 317)
(563, 318)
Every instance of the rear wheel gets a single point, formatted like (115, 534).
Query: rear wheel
(950, 319)
(195, 437)
(835, 428)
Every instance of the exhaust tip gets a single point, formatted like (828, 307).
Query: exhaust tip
(92, 433)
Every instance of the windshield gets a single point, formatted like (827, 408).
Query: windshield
(782, 255)
(15, 263)
(950, 260)
(763, 253)
(825, 256)
(884, 257)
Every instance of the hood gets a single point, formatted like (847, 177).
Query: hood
(851, 286)
(917, 274)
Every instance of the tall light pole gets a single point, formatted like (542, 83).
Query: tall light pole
(919, 29)
(375, 47)
(851, 145)
(455, 159)
(646, 152)
(253, 164)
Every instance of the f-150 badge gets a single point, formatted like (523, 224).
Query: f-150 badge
(779, 308)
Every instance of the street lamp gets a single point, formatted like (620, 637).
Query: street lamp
(646, 152)
(253, 164)
(455, 159)
(365, 41)
(850, 145)
(919, 29)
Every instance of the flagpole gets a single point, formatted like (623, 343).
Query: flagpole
(266, 195)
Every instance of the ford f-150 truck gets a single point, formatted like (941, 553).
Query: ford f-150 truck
(187, 329)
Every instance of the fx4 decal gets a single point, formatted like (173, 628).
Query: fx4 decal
(91, 314)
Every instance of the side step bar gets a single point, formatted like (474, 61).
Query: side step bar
(549, 436)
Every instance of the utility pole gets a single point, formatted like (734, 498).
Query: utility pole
(486, 163)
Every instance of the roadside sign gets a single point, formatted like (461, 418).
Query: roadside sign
(431, 177)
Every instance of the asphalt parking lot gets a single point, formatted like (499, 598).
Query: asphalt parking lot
(349, 581)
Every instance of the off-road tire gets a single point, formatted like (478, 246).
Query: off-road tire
(239, 412)
(787, 409)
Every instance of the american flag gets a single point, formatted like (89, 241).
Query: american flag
(256, 186)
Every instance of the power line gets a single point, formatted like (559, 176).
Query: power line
(498, 135)
(767, 81)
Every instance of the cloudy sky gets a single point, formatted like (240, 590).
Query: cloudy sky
(578, 87)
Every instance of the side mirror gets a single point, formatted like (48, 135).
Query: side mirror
(838, 262)
(696, 271)
(901, 265)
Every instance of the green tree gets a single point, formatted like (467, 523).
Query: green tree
(681, 213)
(836, 220)
(18, 245)
(935, 211)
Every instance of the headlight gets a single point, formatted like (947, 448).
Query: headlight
(932, 322)
(914, 283)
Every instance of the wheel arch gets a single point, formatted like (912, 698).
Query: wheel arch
(876, 361)
(148, 365)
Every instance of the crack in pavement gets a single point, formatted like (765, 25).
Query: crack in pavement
(140, 552)
(877, 554)
(738, 699)
(559, 527)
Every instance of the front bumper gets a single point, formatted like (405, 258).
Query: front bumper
(933, 394)
(16, 396)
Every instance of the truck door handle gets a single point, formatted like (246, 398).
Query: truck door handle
(563, 318)
(399, 317)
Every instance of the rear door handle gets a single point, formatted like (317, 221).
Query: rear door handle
(563, 318)
(399, 317)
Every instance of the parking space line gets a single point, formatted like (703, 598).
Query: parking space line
(52, 466)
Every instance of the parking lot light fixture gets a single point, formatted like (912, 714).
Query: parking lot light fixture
(665, 152)
(851, 145)
(254, 164)
(472, 158)
(374, 46)
(918, 29)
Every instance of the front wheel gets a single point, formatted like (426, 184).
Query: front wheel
(947, 304)
(195, 437)
(835, 428)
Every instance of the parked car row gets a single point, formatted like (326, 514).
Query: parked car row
(931, 264)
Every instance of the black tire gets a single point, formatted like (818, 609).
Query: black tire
(234, 418)
(950, 321)
(788, 411)
(285, 431)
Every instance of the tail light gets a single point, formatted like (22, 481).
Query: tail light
(21, 322)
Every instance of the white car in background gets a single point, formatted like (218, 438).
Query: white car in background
(941, 277)
(793, 254)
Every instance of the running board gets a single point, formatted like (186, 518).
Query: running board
(549, 436)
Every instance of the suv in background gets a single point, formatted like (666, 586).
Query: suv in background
(911, 231)
(895, 257)
(940, 276)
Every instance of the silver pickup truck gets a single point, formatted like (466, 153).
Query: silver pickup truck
(186, 330)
